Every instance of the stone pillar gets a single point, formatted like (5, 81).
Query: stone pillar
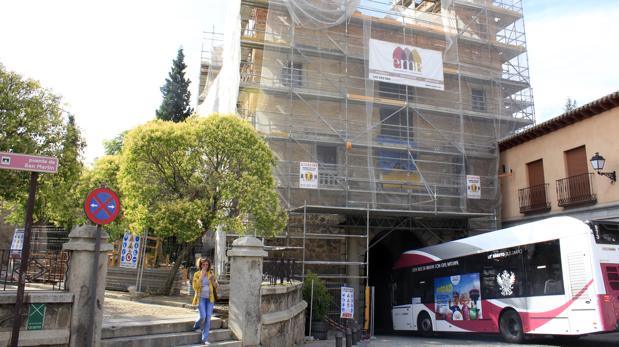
(245, 281)
(82, 246)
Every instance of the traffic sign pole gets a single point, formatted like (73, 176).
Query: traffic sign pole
(25, 255)
(93, 285)
(102, 207)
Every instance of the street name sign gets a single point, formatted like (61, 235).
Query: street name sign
(26, 162)
(102, 206)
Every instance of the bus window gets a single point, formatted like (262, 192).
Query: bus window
(607, 234)
(543, 266)
(503, 274)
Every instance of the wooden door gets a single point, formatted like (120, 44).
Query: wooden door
(537, 186)
(577, 170)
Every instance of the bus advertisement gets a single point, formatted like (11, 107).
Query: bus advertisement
(558, 276)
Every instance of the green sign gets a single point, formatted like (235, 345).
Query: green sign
(36, 316)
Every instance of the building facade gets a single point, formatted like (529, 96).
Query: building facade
(383, 117)
(547, 170)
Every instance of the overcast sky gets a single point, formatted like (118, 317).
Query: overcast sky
(108, 59)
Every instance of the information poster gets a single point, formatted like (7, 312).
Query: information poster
(458, 297)
(348, 302)
(130, 252)
(18, 243)
(473, 187)
(308, 177)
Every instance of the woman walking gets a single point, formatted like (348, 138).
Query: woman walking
(204, 284)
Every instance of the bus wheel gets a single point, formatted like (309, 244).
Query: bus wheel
(424, 324)
(510, 327)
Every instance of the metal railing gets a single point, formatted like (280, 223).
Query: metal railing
(576, 190)
(47, 269)
(280, 270)
(534, 198)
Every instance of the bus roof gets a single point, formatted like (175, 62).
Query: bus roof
(539, 231)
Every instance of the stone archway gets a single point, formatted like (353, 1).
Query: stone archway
(385, 248)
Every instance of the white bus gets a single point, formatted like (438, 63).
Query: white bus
(558, 276)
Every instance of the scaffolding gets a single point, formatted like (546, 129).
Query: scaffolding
(390, 155)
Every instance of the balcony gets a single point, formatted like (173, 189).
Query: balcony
(576, 190)
(534, 199)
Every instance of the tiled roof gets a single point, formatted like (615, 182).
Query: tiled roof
(591, 109)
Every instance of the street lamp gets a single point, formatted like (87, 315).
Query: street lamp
(597, 161)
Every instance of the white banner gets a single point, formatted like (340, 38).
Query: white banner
(308, 175)
(401, 64)
(130, 252)
(347, 302)
(473, 187)
(18, 242)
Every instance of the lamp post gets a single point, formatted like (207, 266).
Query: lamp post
(597, 161)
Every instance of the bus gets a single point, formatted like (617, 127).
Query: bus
(558, 276)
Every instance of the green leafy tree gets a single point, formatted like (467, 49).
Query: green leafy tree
(32, 121)
(176, 94)
(184, 179)
(115, 145)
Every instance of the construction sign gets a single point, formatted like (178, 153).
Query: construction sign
(130, 252)
(347, 302)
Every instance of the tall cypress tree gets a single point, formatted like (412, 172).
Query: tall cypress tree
(176, 94)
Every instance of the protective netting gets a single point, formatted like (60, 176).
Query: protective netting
(301, 71)
(320, 14)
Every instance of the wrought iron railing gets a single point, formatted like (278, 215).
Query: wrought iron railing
(534, 198)
(576, 190)
(48, 269)
(280, 270)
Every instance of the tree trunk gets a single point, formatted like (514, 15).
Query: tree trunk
(169, 284)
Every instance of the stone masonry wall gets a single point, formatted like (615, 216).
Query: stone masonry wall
(56, 323)
(283, 315)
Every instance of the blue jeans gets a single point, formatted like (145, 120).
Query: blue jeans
(205, 308)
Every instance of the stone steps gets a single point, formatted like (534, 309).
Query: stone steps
(219, 337)
(126, 328)
(163, 333)
(217, 344)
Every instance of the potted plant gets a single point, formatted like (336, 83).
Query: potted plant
(318, 305)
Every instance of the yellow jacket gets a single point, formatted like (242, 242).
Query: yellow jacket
(197, 287)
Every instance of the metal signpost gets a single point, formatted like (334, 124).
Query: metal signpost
(34, 164)
(102, 207)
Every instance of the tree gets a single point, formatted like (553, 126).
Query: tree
(570, 105)
(176, 94)
(32, 121)
(115, 145)
(184, 179)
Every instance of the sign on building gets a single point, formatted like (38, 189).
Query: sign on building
(473, 187)
(130, 252)
(18, 243)
(36, 316)
(348, 303)
(409, 65)
(308, 175)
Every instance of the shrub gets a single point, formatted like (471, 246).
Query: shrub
(322, 298)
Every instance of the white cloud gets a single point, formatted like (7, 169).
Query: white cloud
(572, 53)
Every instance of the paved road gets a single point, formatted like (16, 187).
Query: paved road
(453, 340)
